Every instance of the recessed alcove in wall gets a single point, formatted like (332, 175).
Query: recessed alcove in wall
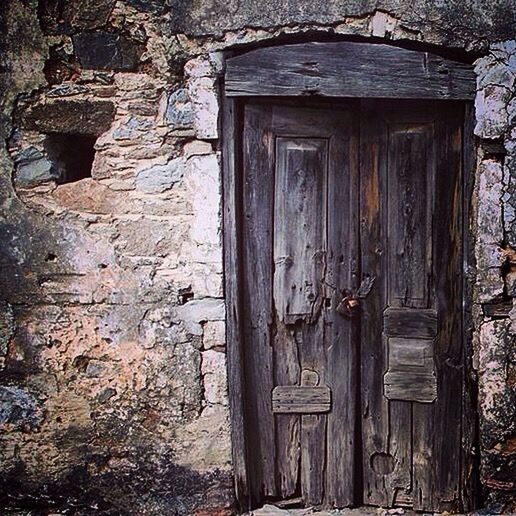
(72, 155)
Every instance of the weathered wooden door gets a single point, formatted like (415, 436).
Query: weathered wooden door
(412, 362)
(351, 302)
(299, 224)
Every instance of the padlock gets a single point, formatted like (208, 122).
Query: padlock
(349, 306)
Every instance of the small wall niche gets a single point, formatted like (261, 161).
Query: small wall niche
(72, 155)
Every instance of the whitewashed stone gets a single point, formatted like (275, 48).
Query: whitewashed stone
(196, 148)
(491, 70)
(489, 210)
(213, 371)
(489, 282)
(202, 182)
(491, 111)
(214, 334)
(489, 255)
(159, 178)
(492, 366)
(198, 67)
(205, 281)
(382, 24)
(205, 442)
(197, 311)
(203, 94)
(205, 107)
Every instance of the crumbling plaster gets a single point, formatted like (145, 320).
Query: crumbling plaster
(112, 334)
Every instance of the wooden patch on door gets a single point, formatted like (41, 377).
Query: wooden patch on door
(411, 375)
(294, 399)
(420, 323)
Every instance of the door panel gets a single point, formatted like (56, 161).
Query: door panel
(357, 201)
(411, 321)
(299, 239)
(258, 195)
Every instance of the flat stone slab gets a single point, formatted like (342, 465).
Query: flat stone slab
(272, 510)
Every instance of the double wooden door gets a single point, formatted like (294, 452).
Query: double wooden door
(350, 231)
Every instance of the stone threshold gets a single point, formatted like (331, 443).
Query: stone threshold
(273, 510)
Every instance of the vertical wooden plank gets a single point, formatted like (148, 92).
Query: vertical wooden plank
(424, 148)
(399, 479)
(299, 222)
(341, 333)
(375, 408)
(313, 427)
(258, 167)
(409, 218)
(287, 371)
(437, 443)
(230, 142)
(409, 187)
(299, 259)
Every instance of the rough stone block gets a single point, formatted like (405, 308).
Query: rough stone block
(495, 70)
(33, 168)
(90, 196)
(202, 182)
(106, 51)
(497, 403)
(198, 311)
(59, 17)
(19, 410)
(205, 442)
(213, 370)
(489, 285)
(68, 116)
(6, 329)
(159, 178)
(214, 334)
(67, 90)
(197, 148)
(510, 281)
(489, 256)
(489, 210)
(149, 237)
(148, 6)
(179, 112)
(96, 368)
(491, 111)
(203, 94)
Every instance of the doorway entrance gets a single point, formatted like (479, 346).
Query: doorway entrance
(345, 300)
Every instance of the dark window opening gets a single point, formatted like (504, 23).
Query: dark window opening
(72, 155)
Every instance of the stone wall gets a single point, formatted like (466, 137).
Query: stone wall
(494, 225)
(112, 347)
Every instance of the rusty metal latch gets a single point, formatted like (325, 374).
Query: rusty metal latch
(349, 306)
(365, 287)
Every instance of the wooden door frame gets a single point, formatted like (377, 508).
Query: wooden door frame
(460, 86)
